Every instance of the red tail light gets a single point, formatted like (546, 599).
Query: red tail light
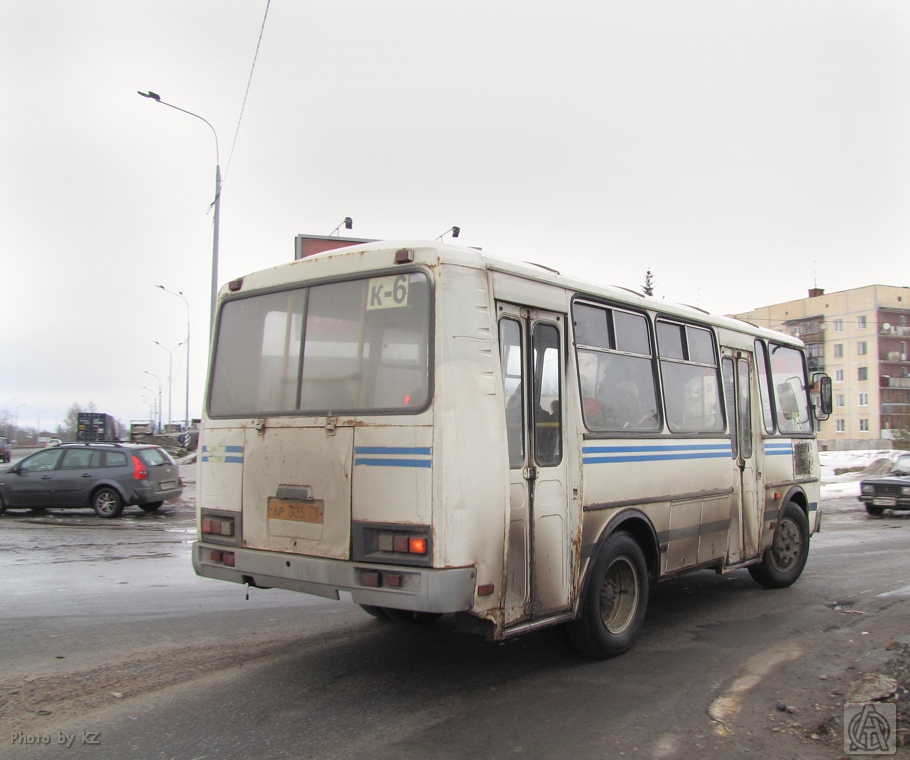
(139, 470)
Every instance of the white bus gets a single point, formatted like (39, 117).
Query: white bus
(432, 429)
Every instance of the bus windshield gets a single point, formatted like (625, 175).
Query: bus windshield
(354, 346)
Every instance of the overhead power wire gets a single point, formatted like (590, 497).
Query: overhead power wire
(247, 92)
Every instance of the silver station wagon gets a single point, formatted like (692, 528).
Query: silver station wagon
(103, 476)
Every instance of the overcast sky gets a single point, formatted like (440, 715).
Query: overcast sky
(743, 151)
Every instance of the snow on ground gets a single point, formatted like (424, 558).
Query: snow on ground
(847, 483)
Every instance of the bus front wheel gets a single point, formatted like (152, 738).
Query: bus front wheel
(615, 601)
(784, 560)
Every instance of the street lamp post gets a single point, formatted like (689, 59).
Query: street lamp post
(170, 376)
(38, 431)
(180, 295)
(16, 423)
(8, 434)
(216, 203)
(159, 397)
(153, 405)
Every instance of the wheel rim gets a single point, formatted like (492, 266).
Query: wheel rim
(106, 502)
(619, 595)
(788, 544)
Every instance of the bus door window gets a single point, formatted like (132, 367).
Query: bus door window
(745, 409)
(547, 390)
(512, 363)
(730, 396)
(764, 386)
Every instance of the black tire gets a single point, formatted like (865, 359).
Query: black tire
(376, 612)
(410, 616)
(615, 600)
(875, 511)
(107, 503)
(2, 505)
(784, 560)
(151, 507)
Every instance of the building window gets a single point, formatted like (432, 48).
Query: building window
(864, 399)
(838, 376)
(864, 426)
(840, 400)
(838, 350)
(838, 325)
(862, 348)
(863, 373)
(840, 426)
(861, 323)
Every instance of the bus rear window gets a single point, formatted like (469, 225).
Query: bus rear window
(356, 346)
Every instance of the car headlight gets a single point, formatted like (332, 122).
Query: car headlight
(905, 491)
(869, 489)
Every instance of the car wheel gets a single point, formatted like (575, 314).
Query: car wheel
(2, 505)
(107, 503)
(151, 507)
(784, 560)
(875, 511)
(410, 616)
(615, 600)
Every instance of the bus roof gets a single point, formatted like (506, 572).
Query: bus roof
(340, 261)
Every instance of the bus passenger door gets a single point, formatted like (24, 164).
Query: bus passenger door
(743, 542)
(538, 559)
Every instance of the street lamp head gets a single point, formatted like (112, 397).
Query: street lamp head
(150, 94)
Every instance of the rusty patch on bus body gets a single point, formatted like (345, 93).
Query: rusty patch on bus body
(294, 509)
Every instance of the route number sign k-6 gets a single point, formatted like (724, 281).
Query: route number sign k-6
(388, 292)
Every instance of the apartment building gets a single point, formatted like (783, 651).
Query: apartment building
(861, 338)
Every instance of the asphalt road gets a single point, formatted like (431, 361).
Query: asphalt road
(110, 647)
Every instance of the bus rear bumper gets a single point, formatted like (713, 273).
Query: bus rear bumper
(420, 589)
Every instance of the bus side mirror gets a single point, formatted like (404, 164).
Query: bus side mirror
(822, 386)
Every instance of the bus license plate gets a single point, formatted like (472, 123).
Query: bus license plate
(292, 509)
(885, 502)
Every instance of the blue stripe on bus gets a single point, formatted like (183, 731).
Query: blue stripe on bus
(394, 462)
(422, 450)
(658, 453)
(781, 449)
(393, 456)
(222, 454)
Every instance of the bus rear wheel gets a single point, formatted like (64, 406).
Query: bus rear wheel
(376, 612)
(615, 600)
(784, 560)
(410, 616)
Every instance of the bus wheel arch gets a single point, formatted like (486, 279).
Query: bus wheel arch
(783, 561)
(614, 599)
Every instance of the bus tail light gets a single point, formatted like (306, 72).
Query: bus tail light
(217, 526)
(376, 579)
(402, 543)
(225, 558)
(417, 545)
(396, 544)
